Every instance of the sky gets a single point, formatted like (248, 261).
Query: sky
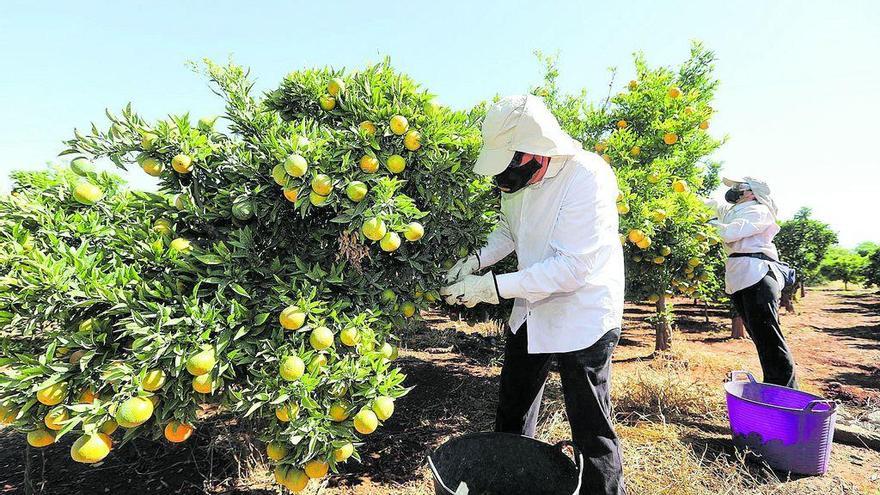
(799, 98)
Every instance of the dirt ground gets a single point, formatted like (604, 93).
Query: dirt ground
(453, 368)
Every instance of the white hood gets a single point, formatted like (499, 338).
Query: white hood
(758, 187)
(520, 123)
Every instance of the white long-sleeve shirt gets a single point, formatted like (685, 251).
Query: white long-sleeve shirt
(747, 227)
(569, 284)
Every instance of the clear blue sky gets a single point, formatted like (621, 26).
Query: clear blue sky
(800, 93)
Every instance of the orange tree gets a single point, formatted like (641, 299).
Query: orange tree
(266, 276)
(655, 135)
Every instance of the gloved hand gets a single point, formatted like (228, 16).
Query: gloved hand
(472, 290)
(462, 268)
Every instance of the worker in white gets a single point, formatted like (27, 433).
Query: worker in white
(559, 215)
(753, 276)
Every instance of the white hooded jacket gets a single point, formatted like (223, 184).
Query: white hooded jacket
(569, 284)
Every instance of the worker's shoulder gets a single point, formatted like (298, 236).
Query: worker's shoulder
(587, 166)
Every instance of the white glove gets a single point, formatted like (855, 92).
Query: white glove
(462, 268)
(472, 290)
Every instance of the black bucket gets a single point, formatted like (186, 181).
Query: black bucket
(505, 464)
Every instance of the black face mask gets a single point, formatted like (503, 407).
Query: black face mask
(516, 176)
(733, 195)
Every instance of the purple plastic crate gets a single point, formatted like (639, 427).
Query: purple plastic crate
(790, 429)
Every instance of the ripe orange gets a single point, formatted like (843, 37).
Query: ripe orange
(408, 309)
(399, 124)
(292, 368)
(622, 208)
(412, 141)
(292, 318)
(414, 231)
(635, 236)
(40, 437)
(704, 125)
(679, 186)
(366, 422)
(341, 454)
(607, 158)
(367, 128)
(383, 407)
(134, 412)
(356, 191)
(374, 229)
(279, 175)
(316, 468)
(322, 184)
(633, 85)
(276, 451)
(87, 193)
(55, 418)
(621, 124)
(296, 165)
(395, 164)
(335, 86)
(202, 362)
(369, 164)
(674, 92)
(349, 336)
(670, 138)
(327, 102)
(7, 414)
(321, 338)
(90, 449)
(339, 411)
(152, 167)
(286, 412)
(177, 432)
(153, 380)
(53, 394)
(204, 384)
(181, 245)
(291, 194)
(600, 147)
(182, 163)
(390, 242)
(644, 243)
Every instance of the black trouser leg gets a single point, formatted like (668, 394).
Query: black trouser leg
(586, 382)
(759, 307)
(586, 377)
(522, 386)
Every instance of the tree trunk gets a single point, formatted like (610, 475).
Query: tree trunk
(737, 328)
(706, 311)
(845, 285)
(663, 328)
(802, 289)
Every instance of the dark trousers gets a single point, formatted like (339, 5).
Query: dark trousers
(586, 376)
(758, 306)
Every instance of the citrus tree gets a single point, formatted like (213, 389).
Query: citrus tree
(655, 135)
(844, 265)
(266, 277)
(803, 242)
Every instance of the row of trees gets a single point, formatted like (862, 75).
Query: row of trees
(810, 245)
(283, 252)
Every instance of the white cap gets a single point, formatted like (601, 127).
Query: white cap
(520, 123)
(758, 187)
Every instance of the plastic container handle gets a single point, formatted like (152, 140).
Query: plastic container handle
(578, 459)
(437, 476)
(733, 374)
(813, 403)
